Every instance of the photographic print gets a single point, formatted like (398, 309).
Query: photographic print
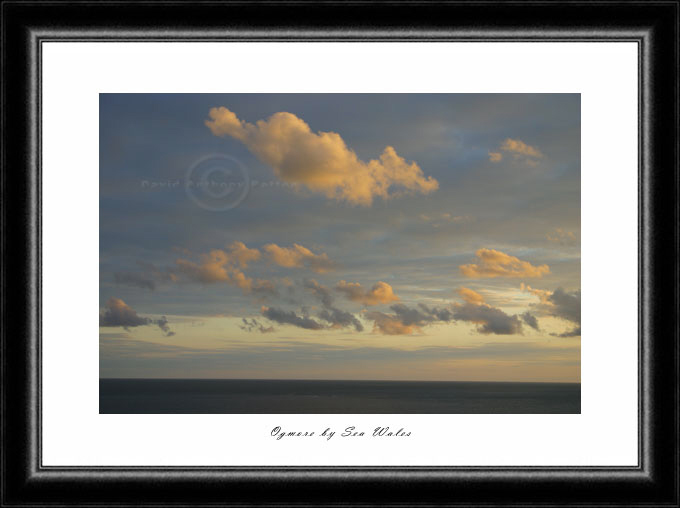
(339, 253)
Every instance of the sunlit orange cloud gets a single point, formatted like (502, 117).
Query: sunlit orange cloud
(213, 267)
(322, 162)
(494, 263)
(470, 296)
(542, 294)
(298, 256)
(390, 325)
(518, 149)
(380, 293)
(225, 266)
(242, 254)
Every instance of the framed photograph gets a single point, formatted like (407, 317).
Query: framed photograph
(349, 254)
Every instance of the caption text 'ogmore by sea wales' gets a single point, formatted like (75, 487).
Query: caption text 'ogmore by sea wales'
(351, 431)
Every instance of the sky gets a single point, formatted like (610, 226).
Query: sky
(340, 236)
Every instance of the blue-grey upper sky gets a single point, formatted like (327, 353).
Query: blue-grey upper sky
(390, 236)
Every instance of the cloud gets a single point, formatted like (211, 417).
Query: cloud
(388, 324)
(574, 332)
(225, 266)
(119, 313)
(337, 318)
(566, 305)
(562, 237)
(380, 293)
(254, 324)
(406, 320)
(470, 296)
(531, 320)
(291, 318)
(242, 254)
(162, 323)
(518, 150)
(321, 292)
(494, 263)
(542, 294)
(561, 304)
(321, 162)
(298, 256)
(216, 266)
(488, 319)
(519, 147)
(436, 314)
(419, 317)
(340, 319)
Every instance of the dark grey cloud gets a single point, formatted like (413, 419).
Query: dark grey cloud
(118, 313)
(418, 317)
(566, 305)
(404, 320)
(561, 304)
(437, 314)
(488, 319)
(530, 320)
(162, 323)
(340, 319)
(337, 318)
(291, 318)
(322, 293)
(574, 332)
(254, 324)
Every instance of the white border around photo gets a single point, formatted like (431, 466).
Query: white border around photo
(606, 76)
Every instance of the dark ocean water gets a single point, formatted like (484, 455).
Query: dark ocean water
(225, 396)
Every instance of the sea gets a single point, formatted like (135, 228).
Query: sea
(262, 396)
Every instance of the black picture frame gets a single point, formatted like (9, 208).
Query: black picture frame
(653, 25)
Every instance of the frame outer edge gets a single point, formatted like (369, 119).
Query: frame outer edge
(34, 476)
